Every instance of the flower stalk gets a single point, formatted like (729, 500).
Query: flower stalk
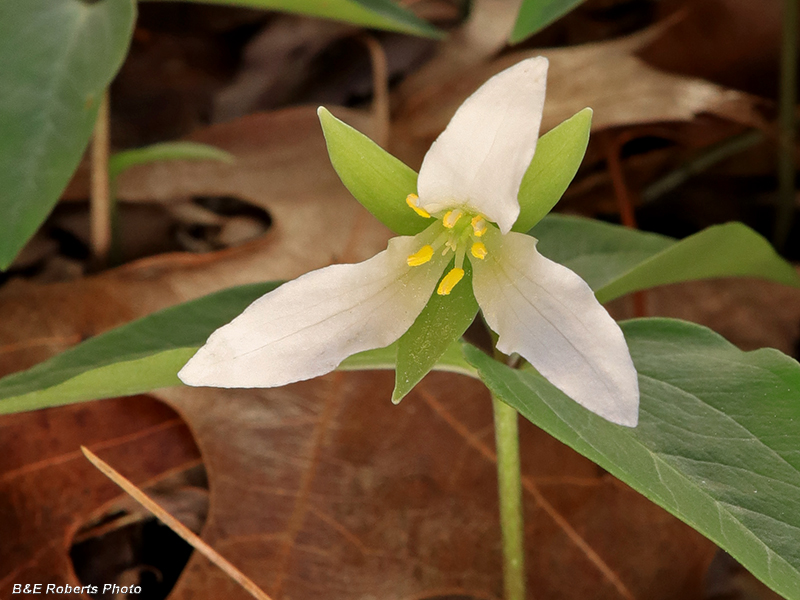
(509, 486)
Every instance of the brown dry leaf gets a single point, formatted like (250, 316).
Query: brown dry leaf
(621, 88)
(480, 37)
(732, 42)
(282, 166)
(49, 490)
(325, 489)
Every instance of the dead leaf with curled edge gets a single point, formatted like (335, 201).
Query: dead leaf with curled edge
(325, 489)
(621, 88)
(282, 166)
(48, 490)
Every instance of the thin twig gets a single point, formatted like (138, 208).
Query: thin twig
(787, 121)
(100, 200)
(380, 89)
(176, 526)
(613, 149)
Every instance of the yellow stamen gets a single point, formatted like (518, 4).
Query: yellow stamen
(449, 281)
(479, 225)
(451, 217)
(413, 202)
(479, 250)
(421, 256)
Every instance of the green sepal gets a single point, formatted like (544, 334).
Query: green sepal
(440, 324)
(558, 156)
(378, 180)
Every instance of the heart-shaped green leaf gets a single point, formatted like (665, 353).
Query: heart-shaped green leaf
(57, 57)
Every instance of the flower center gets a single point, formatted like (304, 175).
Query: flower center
(455, 231)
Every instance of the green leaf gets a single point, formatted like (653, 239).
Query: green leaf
(376, 179)
(615, 260)
(440, 324)
(147, 354)
(558, 155)
(56, 59)
(143, 355)
(126, 159)
(376, 14)
(716, 445)
(535, 15)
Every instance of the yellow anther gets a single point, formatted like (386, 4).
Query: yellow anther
(413, 202)
(421, 256)
(479, 225)
(479, 250)
(451, 217)
(449, 281)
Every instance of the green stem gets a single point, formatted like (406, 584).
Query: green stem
(509, 483)
(786, 135)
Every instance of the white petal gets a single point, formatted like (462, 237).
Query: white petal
(549, 315)
(480, 158)
(306, 327)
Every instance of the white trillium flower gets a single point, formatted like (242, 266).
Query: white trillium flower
(468, 187)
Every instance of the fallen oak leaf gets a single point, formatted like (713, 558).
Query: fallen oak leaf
(49, 491)
(314, 489)
(609, 77)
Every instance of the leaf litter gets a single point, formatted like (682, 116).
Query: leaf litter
(324, 486)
